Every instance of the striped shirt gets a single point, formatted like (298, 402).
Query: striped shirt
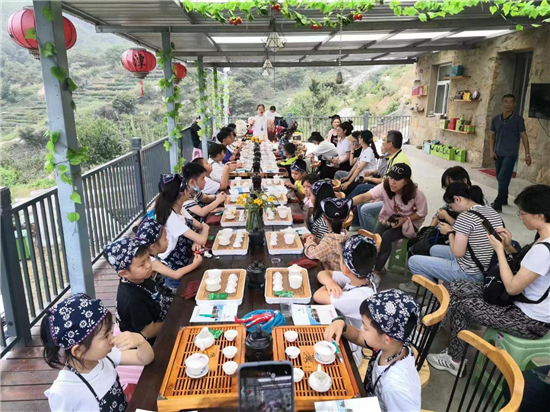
(191, 203)
(471, 226)
(318, 226)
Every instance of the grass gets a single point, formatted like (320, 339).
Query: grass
(20, 191)
(6, 137)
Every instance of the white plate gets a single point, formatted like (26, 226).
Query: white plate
(203, 373)
(323, 362)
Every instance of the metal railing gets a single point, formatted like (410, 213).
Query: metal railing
(34, 272)
(378, 125)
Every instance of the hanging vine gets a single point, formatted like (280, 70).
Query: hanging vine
(202, 102)
(177, 132)
(215, 100)
(235, 12)
(73, 157)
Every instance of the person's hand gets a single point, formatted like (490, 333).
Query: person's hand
(344, 186)
(497, 245)
(335, 330)
(238, 165)
(334, 289)
(383, 222)
(494, 155)
(289, 185)
(344, 179)
(506, 236)
(127, 340)
(308, 238)
(205, 226)
(196, 247)
(220, 197)
(400, 222)
(444, 228)
(197, 261)
(442, 214)
(528, 160)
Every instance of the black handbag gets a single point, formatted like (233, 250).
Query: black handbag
(426, 237)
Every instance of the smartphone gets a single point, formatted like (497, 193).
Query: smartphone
(489, 228)
(266, 386)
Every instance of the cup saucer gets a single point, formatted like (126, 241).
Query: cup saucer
(324, 362)
(203, 372)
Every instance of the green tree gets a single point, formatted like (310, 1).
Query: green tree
(124, 103)
(103, 139)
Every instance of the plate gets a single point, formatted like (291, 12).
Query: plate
(323, 362)
(203, 373)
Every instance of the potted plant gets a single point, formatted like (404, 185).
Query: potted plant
(255, 203)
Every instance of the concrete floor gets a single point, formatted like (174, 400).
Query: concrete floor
(427, 171)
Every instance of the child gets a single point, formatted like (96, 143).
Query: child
(155, 235)
(329, 248)
(289, 153)
(316, 223)
(297, 172)
(351, 285)
(77, 338)
(142, 304)
(226, 137)
(211, 187)
(182, 239)
(200, 205)
(388, 319)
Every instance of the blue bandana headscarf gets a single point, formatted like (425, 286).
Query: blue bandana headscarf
(349, 247)
(340, 207)
(296, 168)
(318, 184)
(149, 230)
(391, 309)
(72, 321)
(168, 177)
(121, 252)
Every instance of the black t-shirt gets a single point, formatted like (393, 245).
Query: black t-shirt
(195, 135)
(135, 307)
(357, 153)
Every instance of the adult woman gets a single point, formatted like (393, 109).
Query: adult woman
(403, 211)
(259, 122)
(469, 252)
(355, 147)
(524, 320)
(334, 123)
(365, 165)
(316, 223)
(343, 146)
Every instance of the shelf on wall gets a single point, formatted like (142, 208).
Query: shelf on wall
(454, 131)
(457, 77)
(466, 101)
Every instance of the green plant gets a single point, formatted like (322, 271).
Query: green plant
(8, 176)
(102, 137)
(202, 101)
(124, 103)
(255, 203)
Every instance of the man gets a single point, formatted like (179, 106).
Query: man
(367, 212)
(506, 130)
(195, 138)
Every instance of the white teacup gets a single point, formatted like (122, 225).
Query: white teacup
(325, 351)
(234, 197)
(230, 335)
(229, 352)
(214, 274)
(213, 285)
(292, 352)
(224, 241)
(278, 288)
(277, 276)
(291, 335)
(282, 211)
(319, 380)
(298, 375)
(294, 270)
(226, 232)
(196, 363)
(295, 281)
(233, 277)
(237, 244)
(289, 238)
(230, 367)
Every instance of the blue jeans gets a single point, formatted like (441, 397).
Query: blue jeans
(504, 169)
(441, 264)
(360, 189)
(368, 212)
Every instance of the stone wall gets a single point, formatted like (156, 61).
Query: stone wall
(489, 75)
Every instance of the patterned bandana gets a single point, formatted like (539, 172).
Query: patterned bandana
(349, 247)
(296, 168)
(72, 320)
(149, 230)
(336, 208)
(317, 185)
(391, 309)
(121, 252)
(168, 177)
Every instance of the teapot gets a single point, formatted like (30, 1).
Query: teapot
(255, 274)
(320, 381)
(204, 339)
(259, 346)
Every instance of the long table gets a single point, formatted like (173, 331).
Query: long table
(148, 387)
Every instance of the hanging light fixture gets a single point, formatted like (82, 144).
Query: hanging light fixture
(273, 40)
(339, 77)
(267, 68)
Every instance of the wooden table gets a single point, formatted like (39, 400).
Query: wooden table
(148, 387)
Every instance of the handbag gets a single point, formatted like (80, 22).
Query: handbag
(427, 237)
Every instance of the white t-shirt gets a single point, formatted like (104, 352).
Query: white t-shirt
(217, 169)
(260, 126)
(399, 389)
(343, 147)
(269, 115)
(537, 260)
(211, 187)
(175, 227)
(367, 156)
(325, 149)
(69, 393)
(348, 304)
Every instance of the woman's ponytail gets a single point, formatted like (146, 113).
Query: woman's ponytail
(461, 189)
(476, 194)
(336, 225)
(51, 352)
(168, 194)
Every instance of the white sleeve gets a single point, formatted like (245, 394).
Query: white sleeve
(59, 402)
(115, 355)
(66, 399)
(211, 187)
(340, 278)
(176, 225)
(399, 400)
(537, 260)
(216, 174)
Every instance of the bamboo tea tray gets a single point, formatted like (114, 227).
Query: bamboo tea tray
(230, 250)
(271, 182)
(229, 203)
(301, 295)
(282, 248)
(236, 221)
(232, 298)
(240, 183)
(277, 221)
(344, 386)
(216, 389)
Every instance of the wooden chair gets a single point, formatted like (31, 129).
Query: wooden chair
(340, 195)
(503, 366)
(337, 185)
(434, 302)
(375, 236)
(348, 221)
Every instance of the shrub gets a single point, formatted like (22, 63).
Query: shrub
(102, 138)
(33, 137)
(8, 176)
(124, 103)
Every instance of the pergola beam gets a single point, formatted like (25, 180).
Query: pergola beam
(324, 52)
(313, 64)
(290, 27)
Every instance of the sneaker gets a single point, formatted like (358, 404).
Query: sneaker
(376, 279)
(497, 207)
(409, 287)
(444, 362)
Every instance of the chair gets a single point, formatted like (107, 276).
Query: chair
(374, 236)
(196, 153)
(348, 221)
(336, 185)
(503, 366)
(398, 255)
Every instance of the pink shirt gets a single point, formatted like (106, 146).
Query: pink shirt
(395, 206)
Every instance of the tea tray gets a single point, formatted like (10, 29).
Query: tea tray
(236, 221)
(281, 248)
(277, 220)
(233, 298)
(230, 250)
(301, 295)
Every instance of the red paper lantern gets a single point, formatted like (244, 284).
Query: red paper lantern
(23, 20)
(138, 61)
(180, 71)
